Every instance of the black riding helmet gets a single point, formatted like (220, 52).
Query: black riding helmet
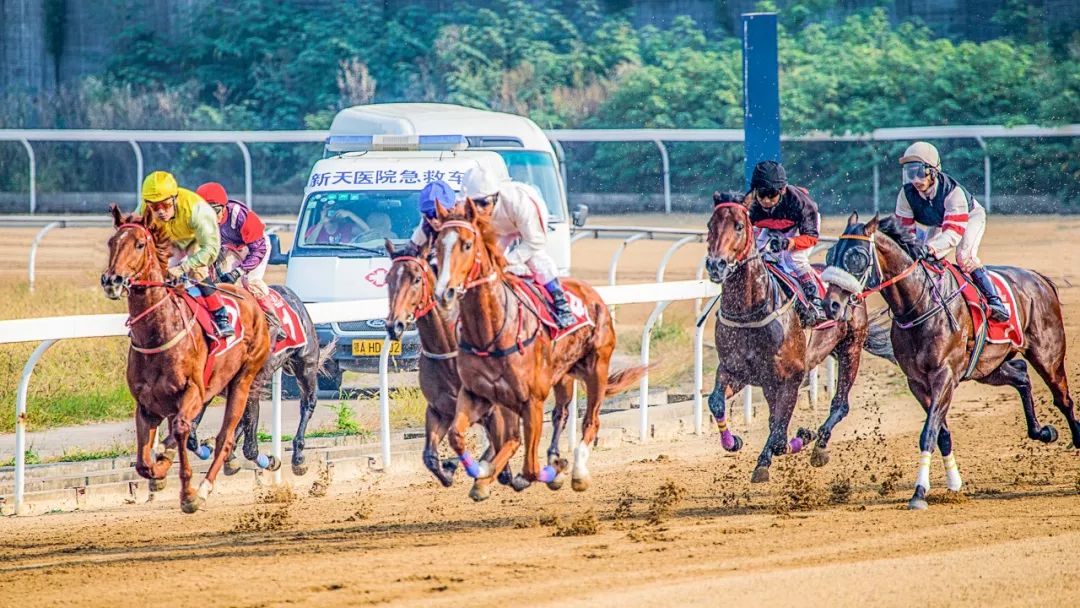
(768, 178)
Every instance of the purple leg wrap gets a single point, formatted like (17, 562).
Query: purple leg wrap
(547, 474)
(470, 465)
(726, 438)
(795, 445)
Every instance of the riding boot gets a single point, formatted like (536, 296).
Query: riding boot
(563, 317)
(998, 311)
(218, 312)
(277, 332)
(815, 310)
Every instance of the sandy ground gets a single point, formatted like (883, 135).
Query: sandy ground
(665, 523)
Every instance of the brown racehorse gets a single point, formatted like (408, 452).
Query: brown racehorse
(934, 353)
(165, 363)
(411, 284)
(759, 336)
(514, 362)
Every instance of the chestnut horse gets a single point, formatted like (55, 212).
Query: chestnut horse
(514, 362)
(935, 355)
(168, 352)
(411, 284)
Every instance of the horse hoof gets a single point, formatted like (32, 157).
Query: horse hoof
(232, 466)
(519, 483)
(917, 504)
(819, 457)
(805, 434)
(274, 465)
(192, 505)
(483, 470)
(736, 444)
(1048, 434)
(580, 484)
(480, 493)
(450, 466)
(761, 475)
(505, 477)
(157, 485)
(557, 483)
(299, 469)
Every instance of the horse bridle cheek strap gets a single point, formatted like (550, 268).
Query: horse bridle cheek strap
(745, 254)
(426, 298)
(473, 279)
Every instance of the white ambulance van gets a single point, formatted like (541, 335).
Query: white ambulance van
(379, 157)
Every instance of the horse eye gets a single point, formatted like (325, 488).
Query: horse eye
(738, 226)
(139, 245)
(467, 245)
(416, 280)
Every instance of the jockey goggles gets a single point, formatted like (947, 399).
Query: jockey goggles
(915, 171)
(767, 193)
(484, 201)
(162, 204)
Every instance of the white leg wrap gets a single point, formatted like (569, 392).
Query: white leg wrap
(205, 488)
(923, 478)
(581, 460)
(952, 473)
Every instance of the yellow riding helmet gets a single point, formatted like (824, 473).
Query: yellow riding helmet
(159, 186)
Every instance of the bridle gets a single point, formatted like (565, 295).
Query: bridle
(132, 282)
(427, 297)
(473, 279)
(748, 252)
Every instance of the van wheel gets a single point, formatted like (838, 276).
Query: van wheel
(330, 379)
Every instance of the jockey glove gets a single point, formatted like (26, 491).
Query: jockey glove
(175, 272)
(232, 276)
(921, 252)
(778, 243)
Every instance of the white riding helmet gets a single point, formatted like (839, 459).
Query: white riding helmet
(922, 152)
(478, 183)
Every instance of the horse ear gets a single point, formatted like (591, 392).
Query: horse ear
(872, 226)
(470, 209)
(853, 219)
(717, 198)
(440, 211)
(389, 247)
(118, 219)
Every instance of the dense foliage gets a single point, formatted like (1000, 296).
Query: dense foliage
(290, 65)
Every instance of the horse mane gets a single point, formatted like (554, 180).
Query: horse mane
(890, 227)
(483, 227)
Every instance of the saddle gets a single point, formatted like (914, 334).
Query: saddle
(537, 299)
(290, 324)
(216, 345)
(987, 329)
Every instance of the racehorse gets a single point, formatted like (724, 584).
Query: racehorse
(759, 337)
(166, 361)
(938, 344)
(411, 283)
(508, 358)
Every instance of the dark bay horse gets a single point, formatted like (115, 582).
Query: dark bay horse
(935, 354)
(168, 353)
(411, 284)
(759, 335)
(515, 363)
(303, 362)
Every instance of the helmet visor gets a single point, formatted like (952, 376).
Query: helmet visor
(915, 171)
(162, 204)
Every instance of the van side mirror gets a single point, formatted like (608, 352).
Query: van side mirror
(276, 257)
(581, 213)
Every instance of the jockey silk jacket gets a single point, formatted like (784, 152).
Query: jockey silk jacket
(194, 223)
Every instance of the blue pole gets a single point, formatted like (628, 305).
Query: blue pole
(761, 90)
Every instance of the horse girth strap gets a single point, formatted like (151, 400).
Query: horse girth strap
(439, 356)
(497, 353)
(774, 315)
(172, 341)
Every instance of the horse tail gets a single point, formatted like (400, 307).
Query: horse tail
(324, 356)
(624, 379)
(879, 341)
(1050, 282)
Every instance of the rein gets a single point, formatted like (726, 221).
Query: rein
(473, 280)
(424, 308)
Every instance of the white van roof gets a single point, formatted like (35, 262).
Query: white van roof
(399, 170)
(437, 119)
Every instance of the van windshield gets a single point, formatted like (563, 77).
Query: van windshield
(356, 223)
(538, 170)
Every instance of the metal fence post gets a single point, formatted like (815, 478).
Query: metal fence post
(138, 171)
(384, 402)
(667, 176)
(699, 347)
(748, 405)
(34, 247)
(20, 422)
(986, 173)
(571, 422)
(275, 423)
(33, 174)
(247, 174)
(643, 391)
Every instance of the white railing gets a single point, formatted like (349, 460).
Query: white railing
(50, 330)
(557, 136)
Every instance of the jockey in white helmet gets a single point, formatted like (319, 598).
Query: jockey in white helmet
(519, 217)
(954, 218)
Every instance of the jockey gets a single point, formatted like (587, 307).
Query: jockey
(191, 226)
(787, 221)
(243, 232)
(444, 194)
(519, 217)
(954, 218)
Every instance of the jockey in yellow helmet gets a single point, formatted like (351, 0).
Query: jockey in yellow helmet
(192, 227)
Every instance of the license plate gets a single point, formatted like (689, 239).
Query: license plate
(373, 348)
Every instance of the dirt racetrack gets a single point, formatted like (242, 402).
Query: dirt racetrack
(670, 523)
